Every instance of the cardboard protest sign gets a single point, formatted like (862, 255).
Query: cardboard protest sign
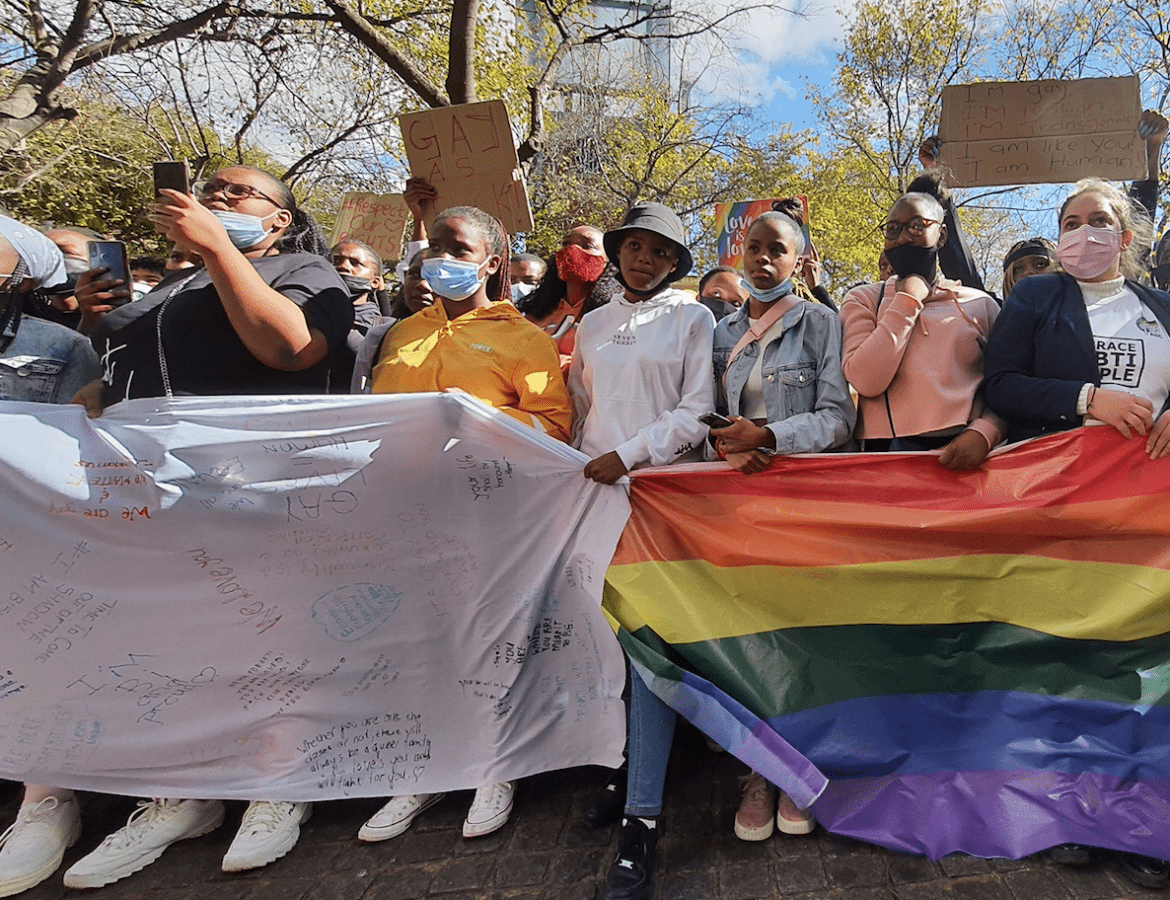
(375, 219)
(467, 154)
(735, 219)
(305, 597)
(1032, 132)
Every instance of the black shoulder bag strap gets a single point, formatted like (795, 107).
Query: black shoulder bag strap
(886, 393)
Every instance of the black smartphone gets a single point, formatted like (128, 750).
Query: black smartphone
(174, 174)
(112, 255)
(714, 420)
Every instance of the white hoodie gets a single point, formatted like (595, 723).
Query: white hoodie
(641, 376)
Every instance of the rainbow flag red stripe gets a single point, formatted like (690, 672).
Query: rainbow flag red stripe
(938, 661)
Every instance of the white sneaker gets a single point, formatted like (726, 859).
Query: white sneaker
(269, 830)
(490, 809)
(33, 846)
(151, 828)
(395, 817)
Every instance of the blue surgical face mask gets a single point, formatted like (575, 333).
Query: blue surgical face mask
(772, 294)
(243, 230)
(455, 279)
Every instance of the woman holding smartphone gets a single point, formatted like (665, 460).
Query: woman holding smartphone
(262, 315)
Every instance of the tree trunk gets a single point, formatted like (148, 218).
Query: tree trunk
(461, 51)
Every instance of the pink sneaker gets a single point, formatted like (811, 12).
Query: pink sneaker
(791, 820)
(753, 819)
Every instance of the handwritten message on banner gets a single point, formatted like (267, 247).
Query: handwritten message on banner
(300, 599)
(736, 218)
(375, 219)
(1030, 132)
(467, 153)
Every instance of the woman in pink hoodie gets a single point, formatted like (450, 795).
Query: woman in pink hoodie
(914, 348)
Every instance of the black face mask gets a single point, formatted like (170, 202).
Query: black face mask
(1161, 276)
(356, 286)
(68, 286)
(910, 259)
(658, 288)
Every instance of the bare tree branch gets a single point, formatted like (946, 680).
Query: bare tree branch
(360, 28)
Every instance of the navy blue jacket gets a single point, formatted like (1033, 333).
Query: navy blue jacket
(1041, 353)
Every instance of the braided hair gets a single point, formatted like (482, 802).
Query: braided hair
(491, 230)
(304, 235)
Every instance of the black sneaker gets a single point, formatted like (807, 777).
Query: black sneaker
(610, 800)
(1070, 854)
(632, 875)
(1143, 870)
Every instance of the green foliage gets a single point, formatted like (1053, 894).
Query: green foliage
(96, 171)
(897, 57)
(610, 148)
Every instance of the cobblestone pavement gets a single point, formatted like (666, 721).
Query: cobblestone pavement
(546, 851)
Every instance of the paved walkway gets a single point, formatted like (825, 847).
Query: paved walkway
(547, 852)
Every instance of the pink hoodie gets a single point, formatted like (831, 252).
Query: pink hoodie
(926, 358)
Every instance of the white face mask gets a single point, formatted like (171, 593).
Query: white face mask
(520, 290)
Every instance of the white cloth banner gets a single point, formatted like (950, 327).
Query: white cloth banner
(299, 599)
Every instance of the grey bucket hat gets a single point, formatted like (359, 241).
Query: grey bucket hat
(659, 219)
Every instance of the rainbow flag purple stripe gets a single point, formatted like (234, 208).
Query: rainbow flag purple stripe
(937, 662)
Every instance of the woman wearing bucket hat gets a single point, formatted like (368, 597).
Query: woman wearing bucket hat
(641, 375)
(640, 378)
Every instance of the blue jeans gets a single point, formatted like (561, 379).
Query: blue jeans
(651, 734)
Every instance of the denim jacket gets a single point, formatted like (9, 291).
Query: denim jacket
(46, 363)
(807, 400)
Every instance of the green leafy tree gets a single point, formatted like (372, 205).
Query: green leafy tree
(95, 169)
(897, 57)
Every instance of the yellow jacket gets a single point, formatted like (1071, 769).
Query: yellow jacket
(492, 353)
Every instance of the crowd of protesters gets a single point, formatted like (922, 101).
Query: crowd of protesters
(600, 347)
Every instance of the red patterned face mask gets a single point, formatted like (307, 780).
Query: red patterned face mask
(574, 264)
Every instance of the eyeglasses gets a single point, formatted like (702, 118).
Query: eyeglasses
(231, 190)
(916, 226)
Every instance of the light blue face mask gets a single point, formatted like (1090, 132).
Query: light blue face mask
(455, 279)
(243, 230)
(783, 289)
(520, 290)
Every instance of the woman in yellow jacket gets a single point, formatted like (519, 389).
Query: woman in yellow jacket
(486, 348)
(470, 341)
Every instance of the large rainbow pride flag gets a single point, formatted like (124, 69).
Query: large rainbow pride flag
(938, 662)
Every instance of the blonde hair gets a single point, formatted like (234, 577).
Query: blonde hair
(1129, 215)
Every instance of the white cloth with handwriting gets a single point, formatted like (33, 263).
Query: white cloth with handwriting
(300, 598)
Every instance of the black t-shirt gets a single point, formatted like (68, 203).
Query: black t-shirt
(365, 317)
(204, 355)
